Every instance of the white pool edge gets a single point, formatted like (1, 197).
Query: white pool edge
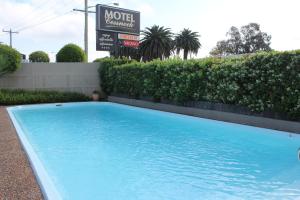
(46, 185)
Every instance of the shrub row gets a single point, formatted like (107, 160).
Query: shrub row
(261, 82)
(16, 97)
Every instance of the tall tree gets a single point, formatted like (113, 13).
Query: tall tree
(156, 43)
(249, 39)
(187, 41)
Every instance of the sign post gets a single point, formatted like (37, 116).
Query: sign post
(116, 26)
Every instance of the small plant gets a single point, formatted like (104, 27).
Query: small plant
(10, 59)
(96, 95)
(39, 56)
(71, 53)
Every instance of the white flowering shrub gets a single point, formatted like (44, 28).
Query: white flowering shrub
(261, 82)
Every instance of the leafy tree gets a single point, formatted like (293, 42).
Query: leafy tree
(71, 53)
(10, 59)
(156, 43)
(39, 56)
(249, 39)
(187, 41)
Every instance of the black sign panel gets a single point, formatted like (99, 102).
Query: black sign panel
(117, 20)
(105, 40)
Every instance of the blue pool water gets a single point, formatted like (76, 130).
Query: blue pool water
(114, 152)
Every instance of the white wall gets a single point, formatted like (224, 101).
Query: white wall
(74, 77)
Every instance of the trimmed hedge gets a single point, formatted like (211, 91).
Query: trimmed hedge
(71, 53)
(39, 56)
(262, 82)
(107, 63)
(10, 59)
(18, 97)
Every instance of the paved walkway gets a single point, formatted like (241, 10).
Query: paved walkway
(17, 180)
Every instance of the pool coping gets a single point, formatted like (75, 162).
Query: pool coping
(261, 122)
(46, 185)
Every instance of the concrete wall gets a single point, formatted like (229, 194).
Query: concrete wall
(74, 77)
(262, 122)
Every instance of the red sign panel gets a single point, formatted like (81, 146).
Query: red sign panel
(131, 43)
(123, 36)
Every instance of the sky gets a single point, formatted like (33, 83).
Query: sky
(50, 24)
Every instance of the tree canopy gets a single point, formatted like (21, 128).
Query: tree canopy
(39, 56)
(247, 39)
(10, 59)
(187, 41)
(156, 43)
(71, 53)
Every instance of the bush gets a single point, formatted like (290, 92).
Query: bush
(10, 59)
(71, 53)
(39, 56)
(104, 71)
(261, 82)
(18, 97)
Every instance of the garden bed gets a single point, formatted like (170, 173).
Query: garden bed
(20, 97)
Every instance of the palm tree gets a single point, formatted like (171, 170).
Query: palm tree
(187, 41)
(156, 43)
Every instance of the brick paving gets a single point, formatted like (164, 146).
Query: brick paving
(17, 181)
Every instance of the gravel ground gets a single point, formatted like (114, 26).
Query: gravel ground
(17, 180)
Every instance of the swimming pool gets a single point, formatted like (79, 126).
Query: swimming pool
(112, 152)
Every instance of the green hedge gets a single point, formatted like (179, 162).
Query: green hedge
(18, 97)
(10, 59)
(261, 82)
(39, 56)
(106, 64)
(71, 53)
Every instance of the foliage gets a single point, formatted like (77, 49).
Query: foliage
(39, 56)
(71, 53)
(249, 39)
(128, 52)
(10, 59)
(15, 97)
(156, 43)
(187, 41)
(106, 65)
(261, 82)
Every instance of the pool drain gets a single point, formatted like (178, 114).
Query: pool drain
(58, 105)
(299, 154)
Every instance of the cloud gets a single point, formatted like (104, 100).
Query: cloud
(42, 25)
(146, 9)
(211, 19)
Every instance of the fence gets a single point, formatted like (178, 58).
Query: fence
(73, 77)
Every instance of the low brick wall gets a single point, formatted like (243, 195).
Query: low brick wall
(72, 77)
(262, 122)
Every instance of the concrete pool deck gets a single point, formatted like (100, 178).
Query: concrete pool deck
(17, 180)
